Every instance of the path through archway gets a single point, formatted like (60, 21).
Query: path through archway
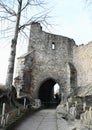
(49, 94)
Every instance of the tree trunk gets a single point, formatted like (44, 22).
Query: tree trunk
(10, 72)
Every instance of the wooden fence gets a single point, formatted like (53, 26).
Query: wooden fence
(7, 117)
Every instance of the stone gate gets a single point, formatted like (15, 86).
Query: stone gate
(50, 59)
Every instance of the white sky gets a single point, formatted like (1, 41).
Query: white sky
(71, 18)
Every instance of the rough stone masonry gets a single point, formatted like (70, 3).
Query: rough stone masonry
(52, 59)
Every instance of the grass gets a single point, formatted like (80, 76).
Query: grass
(23, 115)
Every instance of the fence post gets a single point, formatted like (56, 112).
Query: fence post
(3, 115)
(90, 116)
(24, 103)
(67, 106)
(7, 116)
(84, 106)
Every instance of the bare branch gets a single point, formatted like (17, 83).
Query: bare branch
(7, 29)
(34, 3)
(7, 9)
(18, 1)
(6, 18)
(25, 6)
(6, 37)
(25, 35)
(41, 18)
(37, 3)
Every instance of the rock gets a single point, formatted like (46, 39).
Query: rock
(82, 128)
(63, 113)
(74, 129)
(37, 104)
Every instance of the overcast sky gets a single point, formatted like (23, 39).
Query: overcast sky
(71, 18)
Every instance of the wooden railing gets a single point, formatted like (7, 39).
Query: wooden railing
(7, 118)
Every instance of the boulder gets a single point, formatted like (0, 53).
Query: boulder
(63, 113)
(37, 104)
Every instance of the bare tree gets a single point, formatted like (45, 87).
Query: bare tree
(13, 47)
(16, 16)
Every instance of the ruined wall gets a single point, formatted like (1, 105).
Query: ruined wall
(53, 57)
(82, 58)
(22, 80)
(52, 54)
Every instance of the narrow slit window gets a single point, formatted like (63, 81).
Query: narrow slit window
(53, 46)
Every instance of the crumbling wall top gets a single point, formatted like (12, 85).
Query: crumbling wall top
(36, 26)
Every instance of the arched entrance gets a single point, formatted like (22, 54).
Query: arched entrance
(49, 93)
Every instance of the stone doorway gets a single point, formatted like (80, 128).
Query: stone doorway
(49, 93)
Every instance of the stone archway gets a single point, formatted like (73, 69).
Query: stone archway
(46, 93)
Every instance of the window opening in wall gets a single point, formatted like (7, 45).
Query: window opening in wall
(53, 46)
(56, 88)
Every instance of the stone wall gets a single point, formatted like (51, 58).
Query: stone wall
(24, 68)
(52, 54)
(55, 57)
(82, 58)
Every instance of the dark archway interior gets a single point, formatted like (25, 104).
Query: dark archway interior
(46, 93)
